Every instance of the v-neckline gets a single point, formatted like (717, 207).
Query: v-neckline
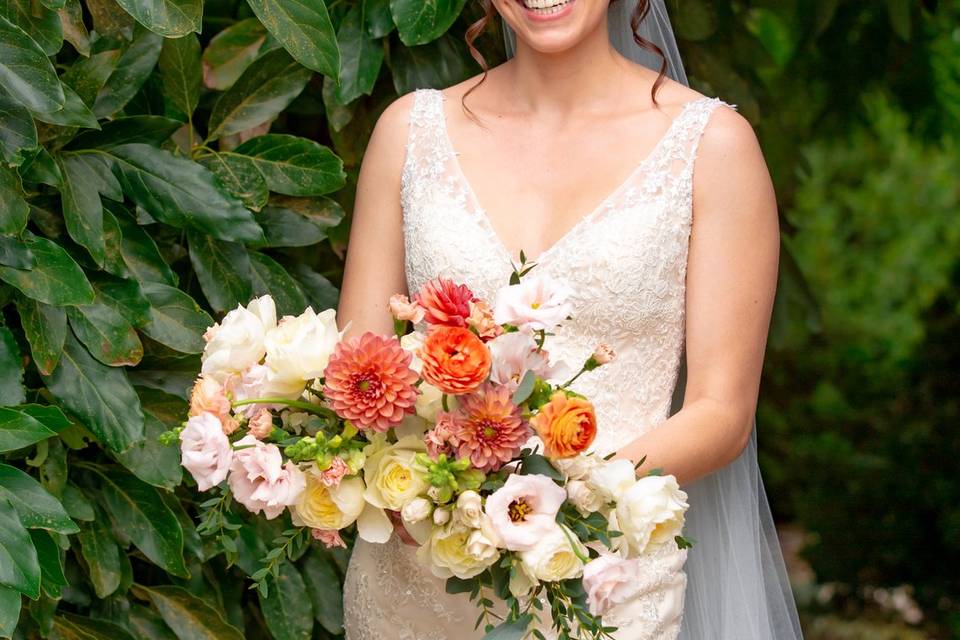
(483, 219)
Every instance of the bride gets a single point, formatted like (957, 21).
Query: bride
(654, 204)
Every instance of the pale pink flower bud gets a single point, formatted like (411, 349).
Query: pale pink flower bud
(403, 309)
(261, 425)
(329, 537)
(207, 396)
(604, 354)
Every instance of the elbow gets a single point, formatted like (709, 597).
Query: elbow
(736, 421)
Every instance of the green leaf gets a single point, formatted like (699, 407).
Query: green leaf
(288, 614)
(188, 616)
(295, 166)
(146, 623)
(148, 129)
(11, 370)
(82, 210)
(170, 18)
(102, 555)
(901, 17)
(9, 611)
(515, 630)
(269, 277)
(52, 579)
(286, 228)
(438, 64)
(141, 255)
(73, 627)
(25, 70)
(323, 587)
(151, 461)
(109, 19)
(42, 24)
(773, 30)
(74, 112)
(124, 296)
(223, 269)
(19, 429)
(231, 51)
(181, 193)
(321, 293)
(13, 208)
(37, 508)
(240, 177)
(54, 279)
(77, 504)
(74, 30)
(420, 21)
(525, 388)
(99, 395)
(40, 167)
(172, 374)
(19, 567)
(18, 133)
(264, 90)
(377, 18)
(108, 336)
(14, 253)
(304, 29)
(133, 67)
(537, 464)
(361, 57)
(180, 71)
(697, 21)
(151, 526)
(176, 320)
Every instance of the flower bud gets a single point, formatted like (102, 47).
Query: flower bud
(416, 510)
(441, 517)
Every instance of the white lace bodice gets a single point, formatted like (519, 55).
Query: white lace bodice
(626, 262)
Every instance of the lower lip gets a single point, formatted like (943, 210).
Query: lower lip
(532, 14)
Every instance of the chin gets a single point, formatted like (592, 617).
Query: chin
(552, 26)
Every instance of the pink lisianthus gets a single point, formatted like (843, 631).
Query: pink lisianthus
(442, 439)
(205, 450)
(490, 430)
(524, 510)
(329, 537)
(401, 308)
(537, 303)
(513, 355)
(445, 303)
(332, 475)
(610, 580)
(369, 382)
(260, 481)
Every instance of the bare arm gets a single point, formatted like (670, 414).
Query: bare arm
(731, 281)
(374, 270)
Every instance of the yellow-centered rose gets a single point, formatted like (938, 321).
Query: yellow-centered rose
(320, 507)
(392, 478)
(448, 553)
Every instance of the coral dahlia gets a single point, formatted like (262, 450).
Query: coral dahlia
(489, 428)
(445, 303)
(369, 381)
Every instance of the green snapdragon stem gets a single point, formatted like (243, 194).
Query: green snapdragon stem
(296, 404)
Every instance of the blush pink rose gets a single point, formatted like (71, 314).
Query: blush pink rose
(259, 479)
(205, 450)
(610, 580)
(332, 475)
(524, 510)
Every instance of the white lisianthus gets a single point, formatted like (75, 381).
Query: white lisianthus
(416, 510)
(651, 512)
(447, 553)
(469, 509)
(328, 508)
(613, 478)
(537, 303)
(556, 556)
(583, 497)
(393, 479)
(238, 341)
(299, 348)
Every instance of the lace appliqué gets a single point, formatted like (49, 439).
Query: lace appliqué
(627, 264)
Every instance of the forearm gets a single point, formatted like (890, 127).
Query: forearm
(704, 436)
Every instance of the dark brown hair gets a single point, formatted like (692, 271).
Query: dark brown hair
(640, 12)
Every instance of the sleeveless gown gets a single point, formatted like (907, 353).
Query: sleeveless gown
(626, 262)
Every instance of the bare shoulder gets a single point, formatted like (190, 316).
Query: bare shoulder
(387, 146)
(728, 134)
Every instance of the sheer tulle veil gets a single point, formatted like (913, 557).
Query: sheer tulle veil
(737, 587)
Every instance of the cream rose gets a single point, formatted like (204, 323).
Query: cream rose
(447, 553)
(555, 556)
(328, 508)
(392, 477)
(416, 510)
(469, 509)
(299, 348)
(612, 479)
(651, 512)
(237, 342)
(583, 497)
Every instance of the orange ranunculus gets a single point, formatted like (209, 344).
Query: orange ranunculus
(455, 360)
(566, 425)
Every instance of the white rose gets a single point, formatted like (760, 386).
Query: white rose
(299, 348)
(447, 553)
(429, 402)
(393, 478)
(469, 509)
(237, 342)
(613, 478)
(576, 467)
(651, 512)
(583, 497)
(412, 343)
(482, 548)
(416, 510)
(555, 556)
(441, 516)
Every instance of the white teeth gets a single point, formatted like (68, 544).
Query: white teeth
(545, 7)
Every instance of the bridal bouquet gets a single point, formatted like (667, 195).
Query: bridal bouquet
(463, 430)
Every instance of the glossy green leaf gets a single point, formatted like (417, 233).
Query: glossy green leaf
(73, 627)
(286, 228)
(37, 20)
(146, 520)
(54, 279)
(223, 269)
(11, 370)
(295, 166)
(133, 67)
(321, 293)
(180, 71)
(37, 508)
(265, 89)
(361, 57)
(189, 617)
(102, 555)
(288, 613)
(421, 21)
(19, 567)
(82, 210)
(99, 395)
(181, 193)
(40, 167)
(18, 134)
(141, 255)
(240, 177)
(108, 336)
(18, 428)
(269, 277)
(77, 505)
(124, 296)
(146, 623)
(46, 329)
(9, 611)
(378, 21)
(176, 320)
(50, 557)
(148, 129)
(439, 64)
(13, 208)
(324, 589)
(231, 51)
(110, 19)
(305, 30)
(14, 253)
(25, 70)
(515, 630)
(170, 18)
(174, 374)
(152, 462)
(74, 30)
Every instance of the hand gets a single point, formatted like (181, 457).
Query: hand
(401, 530)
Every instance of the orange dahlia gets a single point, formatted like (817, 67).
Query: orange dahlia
(489, 428)
(455, 360)
(445, 302)
(566, 425)
(369, 381)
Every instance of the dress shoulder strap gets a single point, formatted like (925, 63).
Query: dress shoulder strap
(425, 158)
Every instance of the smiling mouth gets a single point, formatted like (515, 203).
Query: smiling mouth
(544, 7)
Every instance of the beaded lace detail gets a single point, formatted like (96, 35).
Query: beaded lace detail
(626, 262)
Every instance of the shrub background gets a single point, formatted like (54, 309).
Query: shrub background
(165, 160)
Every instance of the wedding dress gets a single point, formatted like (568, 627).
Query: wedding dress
(626, 262)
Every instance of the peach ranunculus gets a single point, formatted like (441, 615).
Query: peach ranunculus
(455, 360)
(481, 320)
(567, 425)
(208, 396)
(445, 302)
